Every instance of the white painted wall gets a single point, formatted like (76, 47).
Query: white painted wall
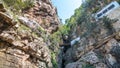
(116, 5)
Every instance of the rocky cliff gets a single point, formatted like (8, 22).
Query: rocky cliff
(30, 33)
(100, 40)
(24, 33)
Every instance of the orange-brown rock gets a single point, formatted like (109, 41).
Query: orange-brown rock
(20, 46)
(45, 14)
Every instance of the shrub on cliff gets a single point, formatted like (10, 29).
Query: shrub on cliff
(18, 5)
(54, 62)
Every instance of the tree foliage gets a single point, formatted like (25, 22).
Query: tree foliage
(83, 16)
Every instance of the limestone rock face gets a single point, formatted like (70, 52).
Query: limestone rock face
(45, 14)
(22, 44)
(90, 58)
(99, 47)
(74, 65)
(102, 52)
(115, 15)
(100, 65)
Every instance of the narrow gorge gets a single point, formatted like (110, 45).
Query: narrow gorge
(33, 36)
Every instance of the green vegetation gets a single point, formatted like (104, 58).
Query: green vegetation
(55, 39)
(15, 7)
(83, 18)
(23, 27)
(118, 1)
(108, 25)
(18, 5)
(95, 10)
(53, 58)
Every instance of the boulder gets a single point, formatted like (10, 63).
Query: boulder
(115, 51)
(75, 65)
(30, 23)
(111, 60)
(90, 58)
(7, 19)
(118, 36)
(100, 65)
(110, 44)
(68, 57)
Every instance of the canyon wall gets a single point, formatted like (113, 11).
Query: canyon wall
(100, 40)
(23, 35)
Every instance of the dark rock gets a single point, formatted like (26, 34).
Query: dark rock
(2, 7)
(116, 65)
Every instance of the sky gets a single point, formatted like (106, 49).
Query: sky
(66, 8)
